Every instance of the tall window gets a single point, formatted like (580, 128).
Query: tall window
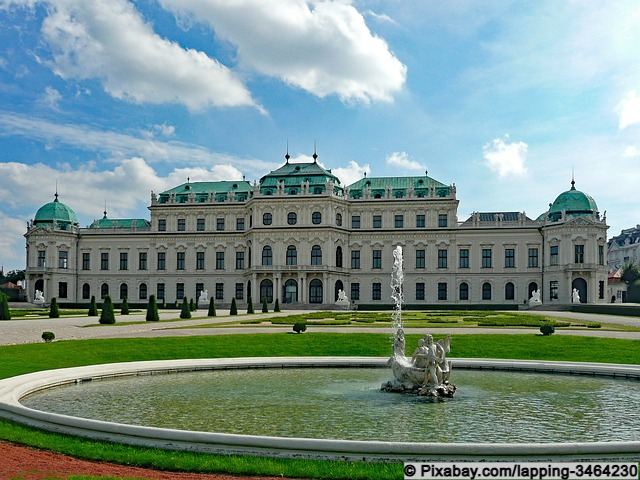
(316, 218)
(316, 255)
(182, 224)
(377, 221)
(292, 218)
(199, 260)
(220, 224)
(162, 224)
(142, 260)
(355, 259)
(86, 291)
(239, 260)
(219, 260)
(62, 290)
(240, 223)
(142, 291)
(377, 259)
(442, 258)
(579, 254)
(376, 291)
(464, 258)
(41, 258)
(104, 261)
(442, 291)
(509, 258)
(162, 261)
(486, 291)
(86, 261)
(601, 289)
(420, 223)
(63, 259)
(509, 291)
(339, 219)
(180, 257)
(442, 220)
(553, 255)
(104, 290)
(486, 258)
(124, 291)
(124, 261)
(315, 291)
(267, 218)
(267, 255)
(355, 221)
(179, 291)
(420, 291)
(421, 258)
(464, 291)
(553, 289)
(200, 224)
(160, 291)
(338, 256)
(355, 291)
(398, 221)
(533, 257)
(292, 255)
(219, 291)
(600, 254)
(239, 291)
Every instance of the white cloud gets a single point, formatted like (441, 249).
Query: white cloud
(51, 98)
(12, 255)
(166, 130)
(351, 173)
(402, 160)
(629, 110)
(505, 158)
(631, 151)
(323, 47)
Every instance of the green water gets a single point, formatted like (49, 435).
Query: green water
(347, 403)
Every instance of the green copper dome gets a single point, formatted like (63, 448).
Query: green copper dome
(573, 203)
(57, 211)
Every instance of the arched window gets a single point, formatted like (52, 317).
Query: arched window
(290, 291)
(124, 291)
(143, 291)
(339, 286)
(104, 290)
(509, 291)
(267, 219)
(267, 255)
(339, 257)
(316, 255)
(266, 290)
(316, 218)
(86, 291)
(315, 291)
(292, 255)
(486, 291)
(292, 218)
(464, 291)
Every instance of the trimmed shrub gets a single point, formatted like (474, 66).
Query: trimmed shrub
(54, 312)
(125, 307)
(186, 311)
(265, 308)
(547, 329)
(5, 313)
(107, 315)
(234, 308)
(93, 307)
(276, 307)
(192, 306)
(250, 306)
(48, 336)
(152, 310)
(212, 308)
(299, 327)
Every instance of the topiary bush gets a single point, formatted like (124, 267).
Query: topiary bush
(299, 327)
(265, 308)
(547, 329)
(93, 307)
(276, 306)
(107, 315)
(5, 313)
(124, 310)
(186, 311)
(250, 306)
(192, 306)
(48, 336)
(54, 312)
(152, 310)
(233, 310)
(212, 308)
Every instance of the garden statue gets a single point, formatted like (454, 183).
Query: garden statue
(39, 298)
(576, 296)
(204, 298)
(535, 298)
(342, 301)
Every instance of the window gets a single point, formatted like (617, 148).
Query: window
(421, 258)
(292, 218)
(142, 260)
(377, 259)
(179, 291)
(442, 220)
(509, 291)
(62, 290)
(553, 289)
(219, 291)
(338, 256)
(104, 261)
(315, 291)
(355, 291)
(180, 257)
(124, 291)
(292, 255)
(162, 264)
(486, 291)
(533, 258)
(104, 290)
(182, 224)
(600, 254)
(464, 258)
(266, 290)
(63, 259)
(553, 255)
(579, 254)
(239, 260)
(601, 289)
(377, 221)
(239, 291)
(124, 261)
(376, 291)
(200, 224)
(219, 260)
(220, 224)
(267, 255)
(240, 223)
(355, 259)
(199, 290)
(420, 223)
(355, 221)
(442, 258)
(160, 291)
(162, 225)
(316, 218)
(339, 219)
(41, 258)
(199, 262)
(464, 291)
(398, 221)
(486, 258)
(442, 291)
(509, 258)
(86, 291)
(316, 255)
(420, 291)
(142, 291)
(267, 219)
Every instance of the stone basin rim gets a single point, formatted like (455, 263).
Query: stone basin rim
(15, 388)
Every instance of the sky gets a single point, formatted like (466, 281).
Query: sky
(108, 100)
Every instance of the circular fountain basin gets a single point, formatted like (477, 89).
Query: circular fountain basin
(14, 389)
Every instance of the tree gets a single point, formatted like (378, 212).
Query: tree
(107, 315)
(186, 311)
(299, 327)
(152, 310)
(631, 276)
(124, 310)
(212, 308)
(265, 308)
(5, 313)
(234, 308)
(276, 307)
(192, 306)
(93, 307)
(54, 312)
(250, 306)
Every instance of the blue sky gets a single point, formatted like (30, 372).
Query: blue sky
(112, 99)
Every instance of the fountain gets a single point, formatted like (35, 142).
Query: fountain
(427, 371)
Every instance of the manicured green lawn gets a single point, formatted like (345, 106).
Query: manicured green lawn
(19, 359)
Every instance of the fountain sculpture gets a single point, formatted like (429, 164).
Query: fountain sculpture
(427, 371)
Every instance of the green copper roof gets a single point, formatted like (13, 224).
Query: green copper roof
(398, 185)
(241, 188)
(126, 223)
(572, 202)
(62, 214)
(292, 175)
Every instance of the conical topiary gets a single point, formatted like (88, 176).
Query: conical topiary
(53, 309)
(250, 306)
(212, 308)
(152, 310)
(265, 308)
(93, 307)
(107, 315)
(234, 308)
(185, 312)
(192, 306)
(5, 313)
(276, 306)
(124, 310)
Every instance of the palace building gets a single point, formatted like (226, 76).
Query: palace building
(300, 236)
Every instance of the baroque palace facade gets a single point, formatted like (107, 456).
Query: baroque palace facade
(299, 236)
